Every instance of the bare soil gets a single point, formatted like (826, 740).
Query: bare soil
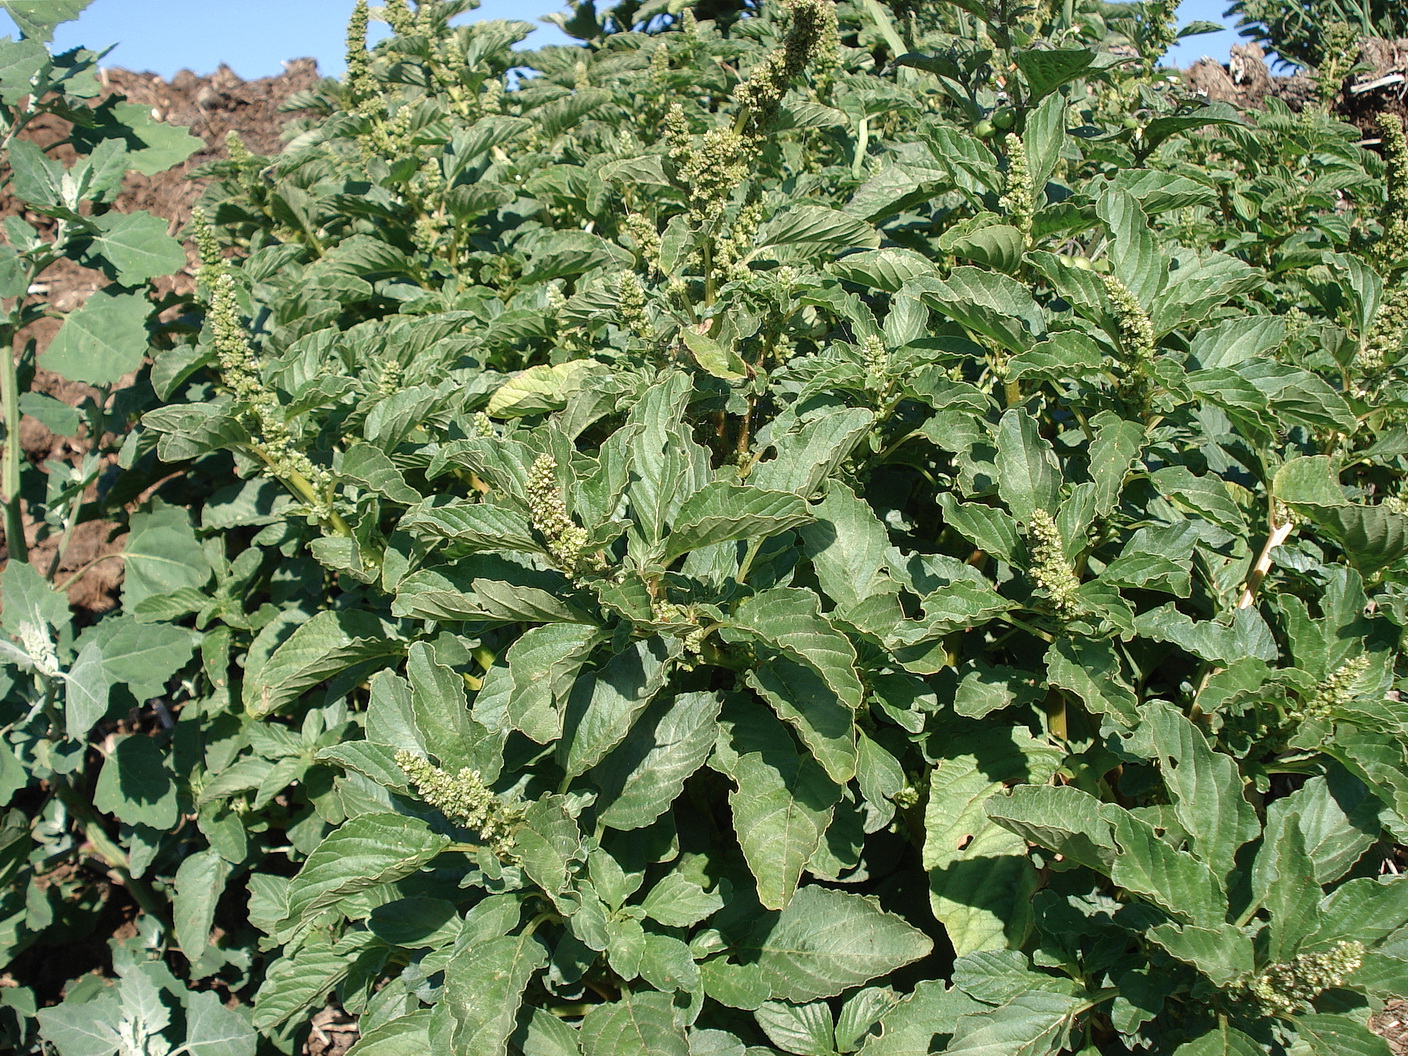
(211, 107)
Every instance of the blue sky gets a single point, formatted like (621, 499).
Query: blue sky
(254, 36)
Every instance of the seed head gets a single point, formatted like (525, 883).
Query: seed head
(1018, 201)
(1285, 989)
(464, 799)
(548, 512)
(1049, 569)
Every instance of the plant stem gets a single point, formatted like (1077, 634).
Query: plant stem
(10, 469)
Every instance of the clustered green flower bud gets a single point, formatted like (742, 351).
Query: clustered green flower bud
(710, 167)
(212, 260)
(1285, 989)
(877, 363)
(907, 798)
(647, 238)
(630, 303)
(548, 513)
(1136, 329)
(481, 425)
(399, 17)
(659, 65)
(1394, 504)
(1339, 59)
(811, 38)
(1386, 343)
(1018, 201)
(665, 611)
(1337, 688)
(238, 152)
(1050, 569)
(358, 84)
(733, 252)
(1393, 246)
(264, 415)
(464, 799)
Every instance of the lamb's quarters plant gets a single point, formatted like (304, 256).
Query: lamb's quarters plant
(805, 531)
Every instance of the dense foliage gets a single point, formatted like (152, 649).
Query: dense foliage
(814, 532)
(1318, 33)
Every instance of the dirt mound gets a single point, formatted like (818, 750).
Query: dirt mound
(211, 107)
(1378, 85)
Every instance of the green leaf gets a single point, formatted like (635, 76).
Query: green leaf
(1222, 1041)
(403, 1036)
(828, 941)
(1365, 909)
(1134, 256)
(200, 881)
(981, 881)
(995, 977)
(141, 656)
(604, 703)
(214, 1030)
(883, 269)
(20, 60)
(1028, 476)
(88, 689)
(819, 227)
(134, 245)
(372, 468)
(1174, 880)
(810, 453)
(646, 772)
(543, 666)
(161, 555)
(36, 19)
(782, 803)
(642, 1024)
(1310, 480)
(324, 646)
(1283, 882)
(1062, 819)
(135, 785)
(1373, 537)
(484, 984)
(993, 530)
(679, 903)
(36, 179)
(549, 845)
(789, 620)
(1092, 670)
(804, 1029)
(1206, 786)
(996, 246)
(1339, 1035)
(441, 721)
(1048, 69)
(714, 358)
(474, 525)
(363, 852)
(1339, 820)
(1223, 953)
(922, 1022)
(847, 546)
(993, 305)
(721, 512)
(540, 388)
(103, 340)
(301, 982)
(1031, 1024)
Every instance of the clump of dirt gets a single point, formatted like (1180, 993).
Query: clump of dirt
(1392, 1025)
(211, 107)
(1379, 84)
